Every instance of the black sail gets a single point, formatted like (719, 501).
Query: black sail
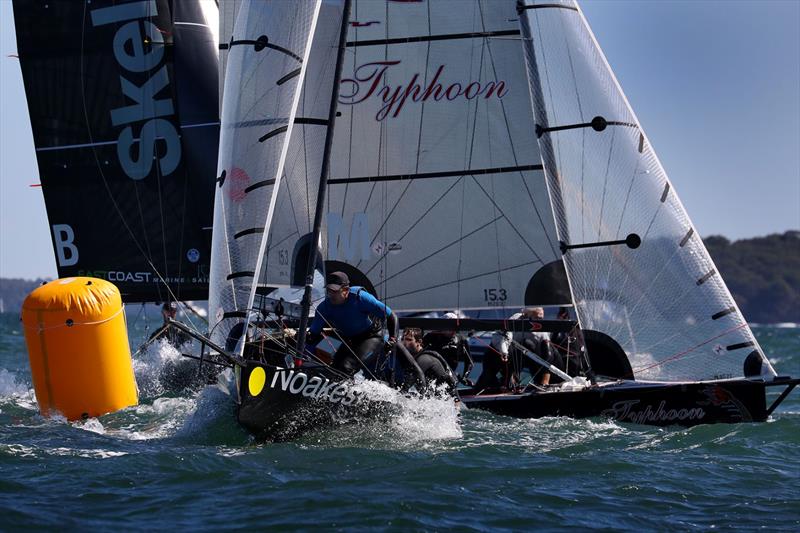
(123, 103)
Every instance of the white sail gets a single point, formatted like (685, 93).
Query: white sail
(228, 11)
(266, 66)
(437, 199)
(663, 302)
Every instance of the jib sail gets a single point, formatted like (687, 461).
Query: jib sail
(278, 82)
(657, 293)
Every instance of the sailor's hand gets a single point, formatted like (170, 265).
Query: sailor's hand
(392, 341)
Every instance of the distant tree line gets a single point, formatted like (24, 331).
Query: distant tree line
(763, 274)
(14, 291)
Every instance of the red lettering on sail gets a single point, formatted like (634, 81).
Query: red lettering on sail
(373, 79)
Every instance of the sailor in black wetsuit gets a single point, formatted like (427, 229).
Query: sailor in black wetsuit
(538, 343)
(174, 336)
(453, 347)
(432, 364)
(358, 317)
(569, 345)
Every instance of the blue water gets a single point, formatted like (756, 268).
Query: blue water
(179, 460)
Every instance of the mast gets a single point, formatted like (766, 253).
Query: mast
(323, 181)
(540, 116)
(552, 178)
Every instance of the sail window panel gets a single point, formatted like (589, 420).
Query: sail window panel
(440, 282)
(608, 184)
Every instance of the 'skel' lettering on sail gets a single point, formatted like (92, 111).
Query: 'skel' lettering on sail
(132, 55)
(371, 78)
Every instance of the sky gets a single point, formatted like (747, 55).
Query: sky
(716, 86)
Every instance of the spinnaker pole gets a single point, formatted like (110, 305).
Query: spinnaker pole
(323, 181)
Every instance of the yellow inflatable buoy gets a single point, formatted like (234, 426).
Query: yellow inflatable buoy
(78, 348)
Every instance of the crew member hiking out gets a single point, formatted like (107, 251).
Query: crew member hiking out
(432, 364)
(358, 317)
(174, 336)
(452, 347)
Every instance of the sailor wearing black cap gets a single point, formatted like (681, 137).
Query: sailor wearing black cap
(358, 317)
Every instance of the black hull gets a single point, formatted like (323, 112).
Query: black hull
(298, 400)
(278, 404)
(651, 403)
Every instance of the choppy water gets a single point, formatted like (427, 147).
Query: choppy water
(181, 461)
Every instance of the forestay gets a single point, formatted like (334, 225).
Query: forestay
(663, 302)
(436, 197)
(279, 78)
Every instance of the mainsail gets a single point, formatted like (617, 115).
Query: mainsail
(437, 198)
(123, 103)
(279, 78)
(664, 301)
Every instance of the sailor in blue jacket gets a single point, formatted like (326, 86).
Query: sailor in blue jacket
(358, 317)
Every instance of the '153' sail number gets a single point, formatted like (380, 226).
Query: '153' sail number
(495, 295)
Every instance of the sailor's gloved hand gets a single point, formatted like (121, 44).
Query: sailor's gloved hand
(466, 381)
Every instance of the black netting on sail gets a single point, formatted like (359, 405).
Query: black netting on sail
(122, 100)
(663, 301)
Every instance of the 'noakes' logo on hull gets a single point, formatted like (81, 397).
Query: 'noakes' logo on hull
(314, 387)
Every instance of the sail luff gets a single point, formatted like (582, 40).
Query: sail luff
(281, 163)
(323, 180)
